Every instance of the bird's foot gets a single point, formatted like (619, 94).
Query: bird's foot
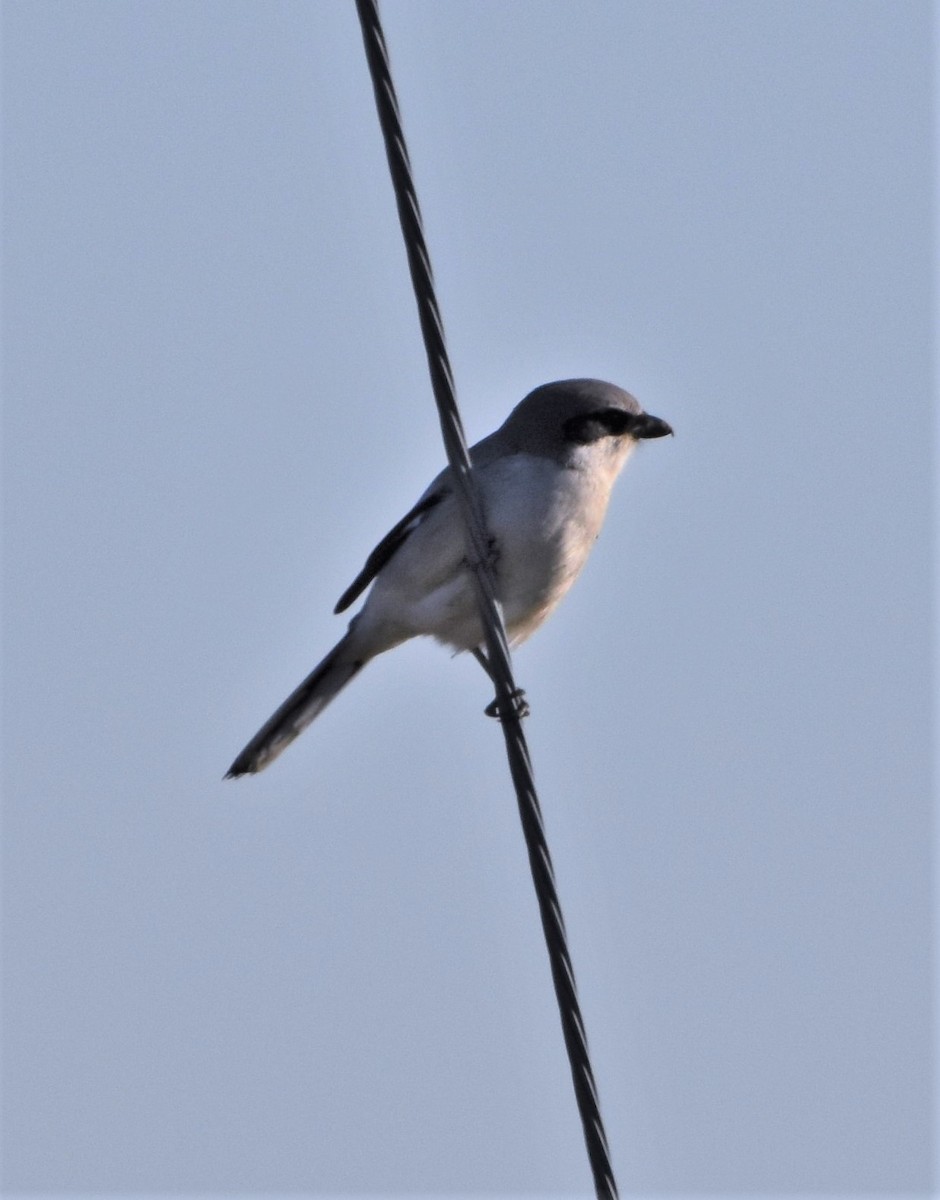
(491, 558)
(519, 703)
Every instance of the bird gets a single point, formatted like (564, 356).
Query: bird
(545, 478)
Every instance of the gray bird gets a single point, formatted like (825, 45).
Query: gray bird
(545, 478)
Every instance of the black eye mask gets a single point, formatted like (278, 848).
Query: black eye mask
(591, 427)
(586, 428)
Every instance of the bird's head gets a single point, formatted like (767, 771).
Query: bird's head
(558, 418)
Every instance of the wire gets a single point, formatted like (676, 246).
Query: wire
(497, 647)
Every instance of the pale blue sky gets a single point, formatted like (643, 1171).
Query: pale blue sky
(331, 979)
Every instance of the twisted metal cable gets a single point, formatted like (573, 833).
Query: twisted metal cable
(478, 559)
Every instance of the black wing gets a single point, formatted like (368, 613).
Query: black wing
(387, 547)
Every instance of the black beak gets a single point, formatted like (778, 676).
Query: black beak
(646, 426)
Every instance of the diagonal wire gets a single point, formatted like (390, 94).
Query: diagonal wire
(478, 558)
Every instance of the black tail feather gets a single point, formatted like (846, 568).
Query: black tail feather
(304, 704)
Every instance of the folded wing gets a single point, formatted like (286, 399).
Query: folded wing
(387, 547)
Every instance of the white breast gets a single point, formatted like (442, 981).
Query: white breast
(543, 519)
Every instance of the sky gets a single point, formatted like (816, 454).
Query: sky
(330, 979)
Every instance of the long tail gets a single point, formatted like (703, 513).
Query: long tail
(299, 709)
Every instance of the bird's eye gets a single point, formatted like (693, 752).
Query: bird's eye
(591, 427)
